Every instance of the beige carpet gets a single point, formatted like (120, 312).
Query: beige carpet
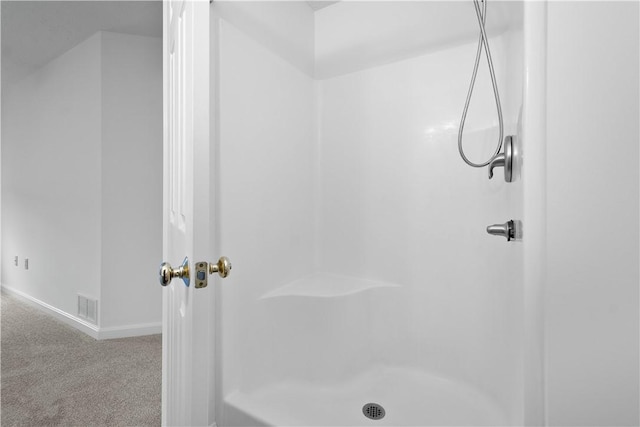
(52, 374)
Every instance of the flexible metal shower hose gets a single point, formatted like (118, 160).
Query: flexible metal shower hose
(482, 41)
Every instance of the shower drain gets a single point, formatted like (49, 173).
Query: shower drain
(373, 411)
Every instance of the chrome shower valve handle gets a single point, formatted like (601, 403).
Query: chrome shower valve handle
(505, 230)
(511, 230)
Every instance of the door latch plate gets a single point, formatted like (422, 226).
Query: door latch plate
(202, 274)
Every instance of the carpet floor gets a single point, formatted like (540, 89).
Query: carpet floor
(52, 374)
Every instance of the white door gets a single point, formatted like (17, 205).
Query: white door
(187, 345)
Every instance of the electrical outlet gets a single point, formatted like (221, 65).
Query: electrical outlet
(26, 263)
(15, 260)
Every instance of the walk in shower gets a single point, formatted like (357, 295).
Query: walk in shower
(366, 289)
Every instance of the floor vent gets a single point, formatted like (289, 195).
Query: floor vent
(373, 411)
(88, 309)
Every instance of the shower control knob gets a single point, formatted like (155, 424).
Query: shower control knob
(507, 230)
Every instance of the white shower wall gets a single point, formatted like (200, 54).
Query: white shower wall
(265, 201)
(357, 233)
(398, 205)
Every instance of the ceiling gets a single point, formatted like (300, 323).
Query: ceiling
(35, 32)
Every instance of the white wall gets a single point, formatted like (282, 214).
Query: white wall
(131, 179)
(52, 177)
(81, 182)
(592, 328)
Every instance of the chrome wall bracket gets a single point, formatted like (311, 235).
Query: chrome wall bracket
(505, 160)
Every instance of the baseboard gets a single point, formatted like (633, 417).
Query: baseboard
(73, 321)
(129, 331)
(82, 325)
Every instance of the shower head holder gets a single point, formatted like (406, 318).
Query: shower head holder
(505, 160)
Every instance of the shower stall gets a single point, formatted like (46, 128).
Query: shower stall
(365, 288)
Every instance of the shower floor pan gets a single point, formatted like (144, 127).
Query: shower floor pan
(410, 397)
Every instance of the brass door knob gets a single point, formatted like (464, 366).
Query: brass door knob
(223, 267)
(203, 269)
(167, 273)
